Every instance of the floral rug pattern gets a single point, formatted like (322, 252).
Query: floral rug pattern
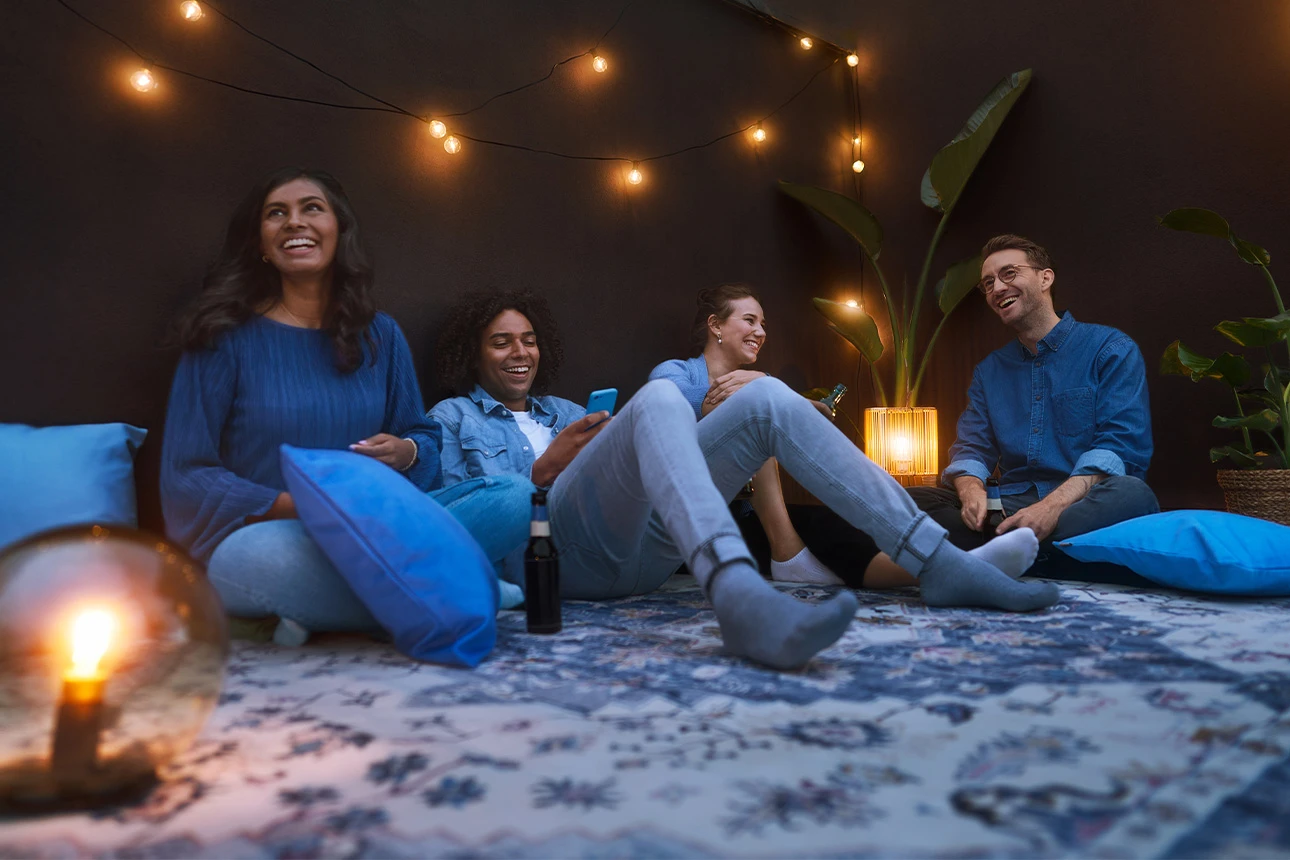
(1120, 723)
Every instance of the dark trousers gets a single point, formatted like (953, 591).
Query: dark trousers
(1109, 501)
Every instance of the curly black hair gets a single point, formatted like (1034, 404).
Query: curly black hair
(239, 284)
(457, 353)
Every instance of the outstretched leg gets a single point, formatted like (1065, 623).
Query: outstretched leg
(767, 419)
(647, 461)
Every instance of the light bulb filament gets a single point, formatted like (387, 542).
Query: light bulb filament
(91, 634)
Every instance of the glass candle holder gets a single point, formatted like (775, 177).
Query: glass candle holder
(112, 651)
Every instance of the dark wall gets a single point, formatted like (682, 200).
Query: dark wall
(114, 202)
(1135, 109)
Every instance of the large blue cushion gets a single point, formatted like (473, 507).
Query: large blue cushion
(62, 476)
(1197, 550)
(416, 568)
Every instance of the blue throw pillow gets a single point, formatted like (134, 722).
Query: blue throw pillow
(63, 476)
(1197, 550)
(413, 565)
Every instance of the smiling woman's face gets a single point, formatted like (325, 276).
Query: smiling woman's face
(744, 331)
(298, 229)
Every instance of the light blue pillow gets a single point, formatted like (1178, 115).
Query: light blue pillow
(414, 566)
(63, 476)
(1196, 550)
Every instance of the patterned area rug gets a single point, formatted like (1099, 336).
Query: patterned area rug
(1121, 723)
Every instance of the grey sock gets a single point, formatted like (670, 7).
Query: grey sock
(952, 577)
(773, 628)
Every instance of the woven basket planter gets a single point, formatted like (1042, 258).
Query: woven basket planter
(1257, 493)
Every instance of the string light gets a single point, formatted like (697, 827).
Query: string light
(855, 141)
(437, 128)
(759, 133)
(852, 303)
(599, 63)
(191, 10)
(857, 165)
(853, 59)
(634, 176)
(143, 80)
(807, 43)
(452, 145)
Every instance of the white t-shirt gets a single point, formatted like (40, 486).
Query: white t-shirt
(539, 436)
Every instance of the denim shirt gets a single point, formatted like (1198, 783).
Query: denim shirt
(482, 438)
(690, 375)
(1078, 406)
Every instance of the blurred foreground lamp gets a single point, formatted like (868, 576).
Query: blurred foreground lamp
(902, 440)
(112, 649)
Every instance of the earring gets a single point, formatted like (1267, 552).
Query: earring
(264, 258)
(718, 339)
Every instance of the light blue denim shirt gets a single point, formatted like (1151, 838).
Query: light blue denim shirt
(690, 375)
(481, 437)
(1078, 406)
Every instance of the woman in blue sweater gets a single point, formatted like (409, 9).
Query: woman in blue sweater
(284, 345)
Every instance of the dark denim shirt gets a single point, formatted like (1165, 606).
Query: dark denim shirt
(1078, 406)
(481, 437)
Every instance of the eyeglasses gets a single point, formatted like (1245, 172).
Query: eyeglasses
(1007, 275)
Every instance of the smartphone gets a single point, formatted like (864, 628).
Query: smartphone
(602, 401)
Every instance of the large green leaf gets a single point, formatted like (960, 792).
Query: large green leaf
(1232, 369)
(959, 282)
(953, 165)
(1265, 420)
(1191, 219)
(841, 210)
(1251, 253)
(1256, 331)
(1239, 457)
(853, 324)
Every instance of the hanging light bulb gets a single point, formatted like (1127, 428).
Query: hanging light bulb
(855, 141)
(452, 145)
(599, 63)
(807, 43)
(437, 128)
(143, 81)
(853, 59)
(857, 165)
(852, 303)
(634, 176)
(759, 133)
(191, 10)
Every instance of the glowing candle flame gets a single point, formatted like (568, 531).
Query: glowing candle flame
(902, 449)
(91, 634)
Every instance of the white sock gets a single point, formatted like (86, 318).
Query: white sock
(803, 567)
(1012, 552)
(290, 633)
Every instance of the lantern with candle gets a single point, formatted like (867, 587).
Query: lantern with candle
(112, 649)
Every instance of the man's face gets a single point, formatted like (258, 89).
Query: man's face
(508, 359)
(1014, 288)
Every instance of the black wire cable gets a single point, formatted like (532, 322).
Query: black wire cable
(390, 107)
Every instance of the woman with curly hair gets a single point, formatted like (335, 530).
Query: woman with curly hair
(634, 497)
(284, 345)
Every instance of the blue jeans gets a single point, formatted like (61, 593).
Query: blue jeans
(651, 491)
(275, 568)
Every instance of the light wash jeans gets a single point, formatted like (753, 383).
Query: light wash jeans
(651, 491)
(275, 568)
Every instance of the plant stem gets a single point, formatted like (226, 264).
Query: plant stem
(1245, 431)
(896, 336)
(927, 354)
(1276, 294)
(877, 385)
(922, 279)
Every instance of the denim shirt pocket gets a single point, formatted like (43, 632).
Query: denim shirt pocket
(483, 455)
(1073, 413)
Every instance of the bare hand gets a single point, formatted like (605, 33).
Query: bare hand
(972, 496)
(1040, 517)
(566, 445)
(283, 508)
(724, 386)
(824, 409)
(391, 450)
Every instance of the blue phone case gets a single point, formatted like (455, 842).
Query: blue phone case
(602, 401)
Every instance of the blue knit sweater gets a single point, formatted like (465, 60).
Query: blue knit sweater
(264, 384)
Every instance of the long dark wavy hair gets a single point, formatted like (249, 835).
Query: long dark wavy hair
(457, 353)
(239, 284)
(715, 301)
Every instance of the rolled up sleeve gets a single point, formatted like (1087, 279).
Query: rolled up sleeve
(975, 451)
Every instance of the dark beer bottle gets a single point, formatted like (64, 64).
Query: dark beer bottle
(834, 396)
(993, 509)
(541, 572)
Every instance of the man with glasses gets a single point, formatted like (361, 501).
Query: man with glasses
(1061, 412)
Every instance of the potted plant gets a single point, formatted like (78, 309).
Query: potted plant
(899, 434)
(1260, 485)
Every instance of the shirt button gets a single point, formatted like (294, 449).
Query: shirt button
(526, 447)
(1036, 430)
(1038, 398)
